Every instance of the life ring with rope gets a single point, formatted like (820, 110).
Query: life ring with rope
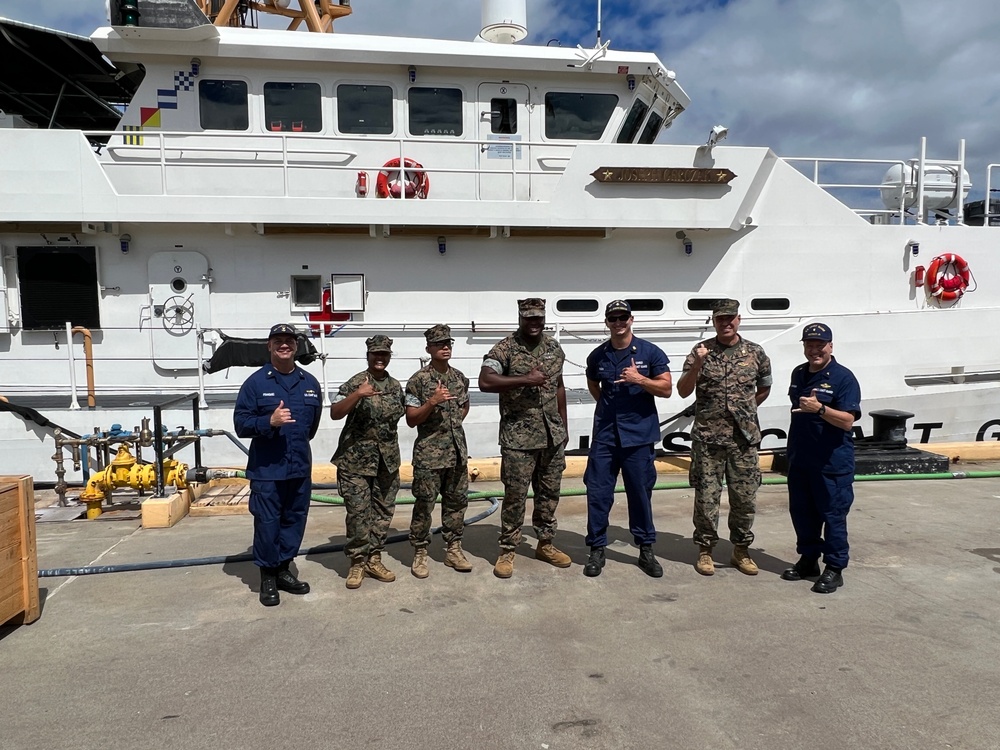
(948, 277)
(414, 182)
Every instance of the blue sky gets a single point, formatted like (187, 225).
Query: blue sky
(838, 78)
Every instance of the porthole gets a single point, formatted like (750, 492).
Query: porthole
(178, 285)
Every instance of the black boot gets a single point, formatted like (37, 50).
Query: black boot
(288, 582)
(804, 568)
(595, 563)
(647, 563)
(269, 587)
(830, 581)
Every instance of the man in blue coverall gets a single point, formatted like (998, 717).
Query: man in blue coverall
(624, 374)
(826, 401)
(279, 408)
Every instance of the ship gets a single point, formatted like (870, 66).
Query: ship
(188, 179)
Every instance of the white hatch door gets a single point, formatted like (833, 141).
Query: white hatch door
(179, 304)
(503, 123)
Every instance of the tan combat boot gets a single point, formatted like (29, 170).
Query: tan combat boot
(419, 567)
(547, 552)
(505, 565)
(356, 574)
(705, 565)
(377, 570)
(742, 562)
(455, 558)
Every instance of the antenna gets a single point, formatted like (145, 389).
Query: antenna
(598, 23)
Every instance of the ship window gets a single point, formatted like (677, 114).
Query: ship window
(701, 305)
(364, 109)
(58, 284)
(633, 121)
(646, 305)
(435, 111)
(767, 304)
(223, 105)
(652, 128)
(293, 107)
(503, 116)
(577, 116)
(307, 293)
(577, 305)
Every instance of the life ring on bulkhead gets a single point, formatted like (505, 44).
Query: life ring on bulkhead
(948, 277)
(391, 185)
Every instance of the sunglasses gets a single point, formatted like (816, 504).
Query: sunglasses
(442, 344)
(617, 318)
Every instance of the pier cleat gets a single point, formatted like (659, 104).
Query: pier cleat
(830, 581)
(804, 568)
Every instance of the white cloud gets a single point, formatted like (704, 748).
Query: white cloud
(861, 78)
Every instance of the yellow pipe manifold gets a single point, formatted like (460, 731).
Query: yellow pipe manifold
(125, 471)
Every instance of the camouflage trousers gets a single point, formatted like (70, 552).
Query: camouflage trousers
(738, 465)
(370, 503)
(453, 485)
(541, 469)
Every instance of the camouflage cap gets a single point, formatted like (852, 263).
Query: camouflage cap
(532, 307)
(379, 343)
(438, 333)
(725, 307)
(817, 332)
(282, 329)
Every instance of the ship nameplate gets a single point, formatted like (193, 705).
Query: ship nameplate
(663, 175)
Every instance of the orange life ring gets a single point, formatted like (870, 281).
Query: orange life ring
(391, 185)
(948, 277)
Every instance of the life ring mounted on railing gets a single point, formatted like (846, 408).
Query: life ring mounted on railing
(413, 182)
(948, 277)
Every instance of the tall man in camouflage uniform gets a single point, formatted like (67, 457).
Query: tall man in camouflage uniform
(526, 370)
(367, 460)
(732, 377)
(437, 401)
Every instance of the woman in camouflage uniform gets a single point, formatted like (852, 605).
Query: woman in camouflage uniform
(367, 460)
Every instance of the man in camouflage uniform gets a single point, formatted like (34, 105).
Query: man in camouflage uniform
(526, 370)
(437, 401)
(732, 377)
(367, 460)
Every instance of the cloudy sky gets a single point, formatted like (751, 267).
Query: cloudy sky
(836, 78)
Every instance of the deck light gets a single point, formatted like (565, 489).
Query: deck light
(914, 247)
(195, 66)
(631, 83)
(442, 245)
(686, 241)
(129, 11)
(413, 74)
(124, 242)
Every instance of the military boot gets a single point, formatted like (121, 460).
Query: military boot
(742, 562)
(595, 563)
(419, 566)
(505, 565)
(705, 565)
(269, 596)
(547, 552)
(356, 574)
(287, 581)
(377, 570)
(648, 563)
(455, 558)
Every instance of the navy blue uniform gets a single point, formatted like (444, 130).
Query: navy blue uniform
(626, 427)
(821, 463)
(280, 464)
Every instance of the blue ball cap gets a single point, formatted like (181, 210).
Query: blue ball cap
(282, 329)
(617, 306)
(817, 332)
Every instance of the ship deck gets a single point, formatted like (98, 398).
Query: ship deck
(904, 656)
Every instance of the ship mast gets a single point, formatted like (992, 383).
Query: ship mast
(318, 15)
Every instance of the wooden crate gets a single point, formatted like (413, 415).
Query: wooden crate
(18, 561)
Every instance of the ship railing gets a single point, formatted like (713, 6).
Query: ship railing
(288, 152)
(887, 215)
(987, 204)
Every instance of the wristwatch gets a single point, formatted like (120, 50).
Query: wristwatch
(822, 409)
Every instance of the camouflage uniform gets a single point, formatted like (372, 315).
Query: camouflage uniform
(725, 437)
(440, 456)
(532, 437)
(367, 461)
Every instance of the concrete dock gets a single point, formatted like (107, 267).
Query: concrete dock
(906, 655)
